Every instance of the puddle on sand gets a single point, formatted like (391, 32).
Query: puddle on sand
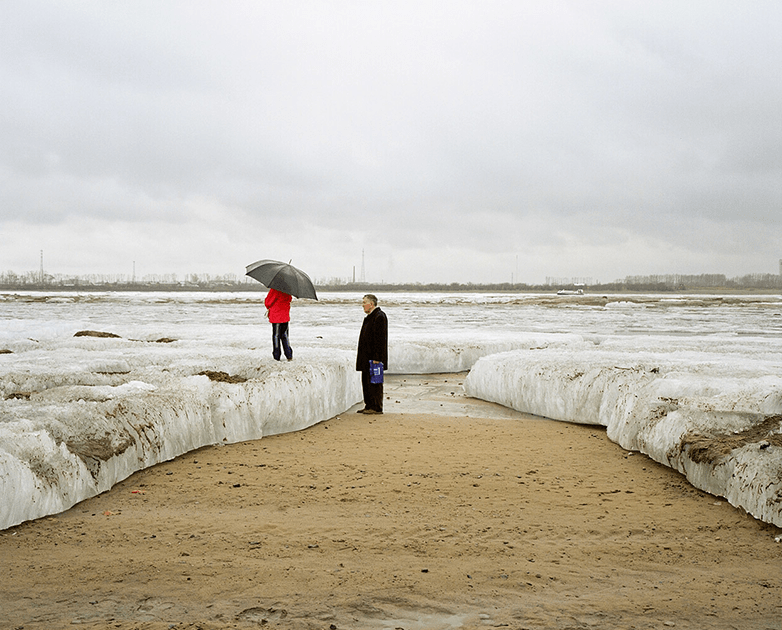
(440, 395)
(390, 617)
(411, 620)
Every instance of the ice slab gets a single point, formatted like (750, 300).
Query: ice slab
(70, 437)
(716, 418)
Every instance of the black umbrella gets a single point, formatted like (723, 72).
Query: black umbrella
(283, 277)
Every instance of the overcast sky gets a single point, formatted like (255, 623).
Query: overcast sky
(450, 141)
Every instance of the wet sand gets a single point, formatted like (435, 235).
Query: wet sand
(442, 513)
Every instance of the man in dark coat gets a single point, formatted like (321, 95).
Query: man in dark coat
(372, 346)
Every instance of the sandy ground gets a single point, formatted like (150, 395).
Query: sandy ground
(442, 513)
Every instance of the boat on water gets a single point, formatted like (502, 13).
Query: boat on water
(570, 292)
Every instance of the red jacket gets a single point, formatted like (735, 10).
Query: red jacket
(279, 305)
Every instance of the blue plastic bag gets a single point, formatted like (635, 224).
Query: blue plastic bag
(375, 372)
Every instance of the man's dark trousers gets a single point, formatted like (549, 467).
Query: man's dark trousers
(373, 392)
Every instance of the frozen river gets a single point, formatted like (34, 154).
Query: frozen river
(694, 381)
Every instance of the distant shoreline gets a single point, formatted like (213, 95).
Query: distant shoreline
(613, 288)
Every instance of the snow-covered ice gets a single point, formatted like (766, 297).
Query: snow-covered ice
(693, 381)
(712, 413)
(82, 431)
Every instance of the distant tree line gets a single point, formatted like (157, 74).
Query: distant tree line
(163, 282)
(230, 282)
(650, 284)
(676, 282)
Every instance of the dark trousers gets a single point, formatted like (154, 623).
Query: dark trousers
(280, 337)
(373, 393)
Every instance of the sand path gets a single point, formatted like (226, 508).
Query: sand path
(443, 513)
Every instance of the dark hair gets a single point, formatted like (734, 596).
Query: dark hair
(371, 298)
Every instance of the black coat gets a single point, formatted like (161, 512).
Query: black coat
(373, 340)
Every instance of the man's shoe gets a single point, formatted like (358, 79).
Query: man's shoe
(371, 412)
(361, 411)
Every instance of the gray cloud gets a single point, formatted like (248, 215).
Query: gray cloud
(451, 139)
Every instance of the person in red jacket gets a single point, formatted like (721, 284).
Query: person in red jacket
(278, 310)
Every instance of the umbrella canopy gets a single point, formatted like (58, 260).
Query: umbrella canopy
(283, 277)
